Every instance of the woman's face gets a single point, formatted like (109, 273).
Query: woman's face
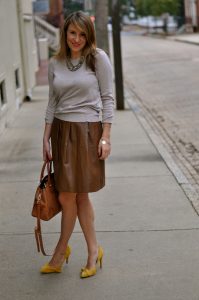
(76, 40)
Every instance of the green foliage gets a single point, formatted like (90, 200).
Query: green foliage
(71, 6)
(157, 7)
(124, 6)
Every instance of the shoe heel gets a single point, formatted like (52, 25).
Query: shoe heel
(67, 258)
(68, 253)
(100, 256)
(100, 263)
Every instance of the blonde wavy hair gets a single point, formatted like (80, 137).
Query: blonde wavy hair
(82, 21)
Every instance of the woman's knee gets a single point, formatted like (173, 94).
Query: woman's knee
(67, 199)
(82, 198)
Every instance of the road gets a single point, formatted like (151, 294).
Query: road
(163, 76)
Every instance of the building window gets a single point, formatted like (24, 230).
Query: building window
(2, 93)
(17, 82)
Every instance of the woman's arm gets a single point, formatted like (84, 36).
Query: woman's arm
(52, 102)
(106, 131)
(46, 143)
(104, 147)
(104, 74)
(50, 110)
(105, 80)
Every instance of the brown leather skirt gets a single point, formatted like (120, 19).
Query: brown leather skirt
(77, 166)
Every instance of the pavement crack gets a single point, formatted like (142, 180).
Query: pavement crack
(107, 231)
(140, 176)
(16, 181)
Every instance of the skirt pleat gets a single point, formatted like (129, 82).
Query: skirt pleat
(77, 166)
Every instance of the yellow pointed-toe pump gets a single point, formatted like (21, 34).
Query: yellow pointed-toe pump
(91, 272)
(46, 269)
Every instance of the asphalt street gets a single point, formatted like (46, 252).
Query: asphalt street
(162, 76)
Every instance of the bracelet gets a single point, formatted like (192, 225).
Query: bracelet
(104, 142)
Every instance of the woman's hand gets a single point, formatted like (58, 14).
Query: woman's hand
(104, 149)
(46, 150)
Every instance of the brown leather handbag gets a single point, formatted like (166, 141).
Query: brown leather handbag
(46, 204)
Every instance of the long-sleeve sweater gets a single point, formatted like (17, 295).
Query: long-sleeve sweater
(82, 95)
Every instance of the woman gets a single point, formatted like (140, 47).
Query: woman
(80, 89)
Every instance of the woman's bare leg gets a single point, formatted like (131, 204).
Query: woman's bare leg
(69, 215)
(85, 215)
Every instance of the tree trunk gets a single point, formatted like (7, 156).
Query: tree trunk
(101, 13)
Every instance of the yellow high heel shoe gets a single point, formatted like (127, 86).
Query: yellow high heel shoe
(46, 269)
(91, 272)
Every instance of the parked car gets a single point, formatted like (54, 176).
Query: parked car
(156, 22)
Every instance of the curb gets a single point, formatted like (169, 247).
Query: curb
(159, 143)
(183, 41)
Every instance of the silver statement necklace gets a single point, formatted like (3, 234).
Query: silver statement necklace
(72, 67)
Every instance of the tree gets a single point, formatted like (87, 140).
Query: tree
(71, 6)
(101, 20)
(143, 7)
(157, 7)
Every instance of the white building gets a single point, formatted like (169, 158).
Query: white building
(18, 57)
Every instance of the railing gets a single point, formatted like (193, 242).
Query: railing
(45, 30)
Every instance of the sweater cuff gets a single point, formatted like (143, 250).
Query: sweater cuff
(49, 120)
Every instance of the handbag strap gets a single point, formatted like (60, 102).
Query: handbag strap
(49, 169)
(38, 233)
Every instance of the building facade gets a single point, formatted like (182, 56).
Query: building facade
(56, 13)
(192, 14)
(18, 57)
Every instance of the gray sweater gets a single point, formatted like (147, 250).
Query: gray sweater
(82, 95)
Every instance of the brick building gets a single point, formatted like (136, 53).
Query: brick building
(192, 14)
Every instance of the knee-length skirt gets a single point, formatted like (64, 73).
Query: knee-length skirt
(77, 167)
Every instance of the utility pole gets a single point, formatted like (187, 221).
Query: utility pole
(115, 12)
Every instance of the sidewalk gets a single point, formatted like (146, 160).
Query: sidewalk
(143, 220)
(191, 38)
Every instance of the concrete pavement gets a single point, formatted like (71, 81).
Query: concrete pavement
(144, 221)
